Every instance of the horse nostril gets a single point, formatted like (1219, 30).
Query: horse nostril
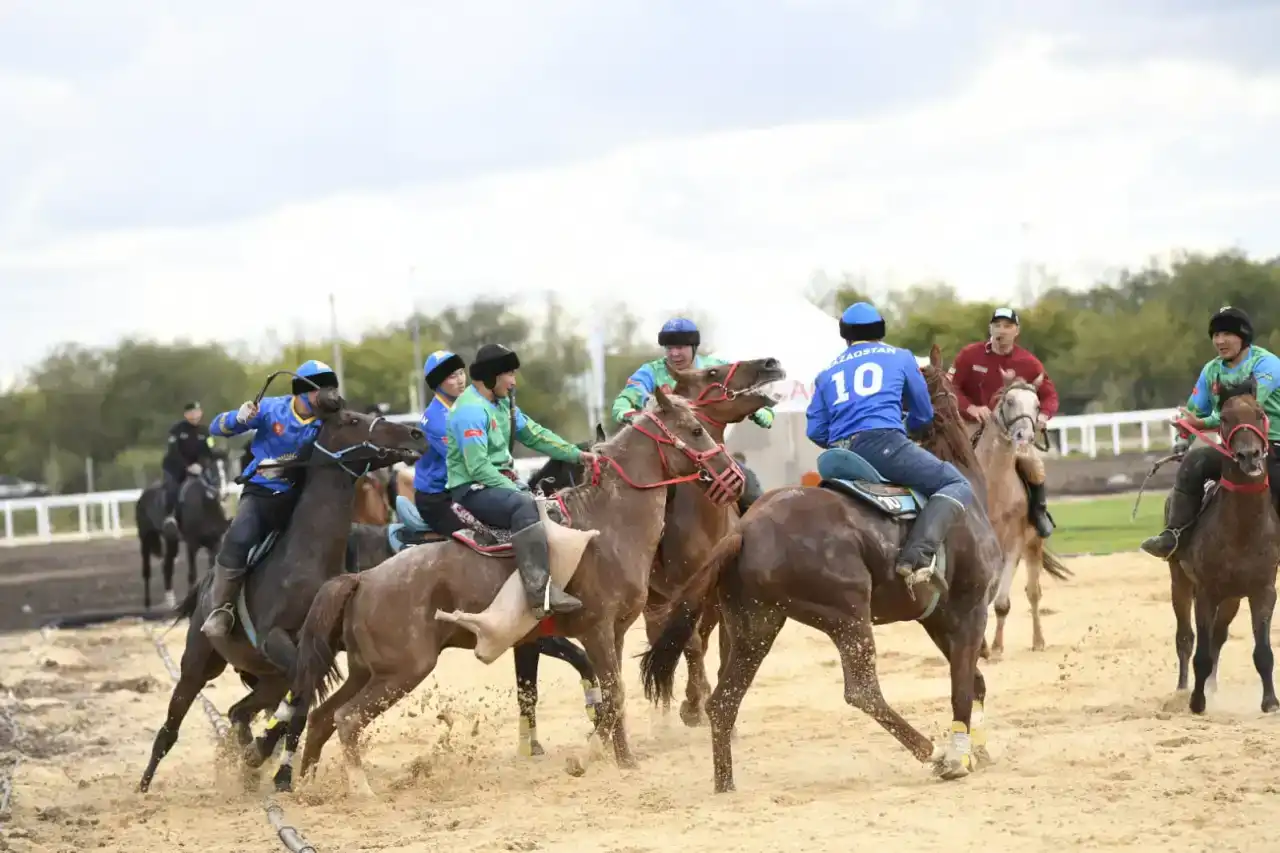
(415, 434)
(771, 364)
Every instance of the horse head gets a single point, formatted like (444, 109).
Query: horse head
(1244, 427)
(360, 442)
(1015, 410)
(672, 421)
(729, 393)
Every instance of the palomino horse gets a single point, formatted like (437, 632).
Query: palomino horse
(824, 556)
(721, 395)
(377, 616)
(286, 569)
(201, 523)
(998, 445)
(1232, 551)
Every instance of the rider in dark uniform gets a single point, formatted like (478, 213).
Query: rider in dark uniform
(189, 448)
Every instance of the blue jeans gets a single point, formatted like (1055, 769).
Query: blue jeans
(899, 461)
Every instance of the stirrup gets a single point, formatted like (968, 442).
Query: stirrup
(929, 574)
(229, 609)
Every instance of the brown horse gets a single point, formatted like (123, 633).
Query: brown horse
(1232, 552)
(721, 395)
(378, 616)
(1001, 445)
(825, 557)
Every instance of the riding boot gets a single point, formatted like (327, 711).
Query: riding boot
(1039, 510)
(1183, 509)
(226, 586)
(927, 534)
(533, 561)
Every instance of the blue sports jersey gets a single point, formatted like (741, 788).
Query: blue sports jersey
(863, 389)
(432, 470)
(280, 433)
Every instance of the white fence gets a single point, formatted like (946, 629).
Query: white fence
(98, 515)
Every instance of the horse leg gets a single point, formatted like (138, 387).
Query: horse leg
(1205, 609)
(1182, 596)
(857, 646)
(1003, 605)
(602, 649)
(146, 570)
(526, 659)
(698, 686)
(200, 665)
(749, 633)
(265, 743)
(170, 557)
(1227, 611)
(935, 626)
(320, 725)
(193, 548)
(1261, 605)
(968, 625)
(283, 780)
(1033, 558)
(379, 694)
(562, 648)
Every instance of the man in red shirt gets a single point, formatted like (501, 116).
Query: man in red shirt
(977, 375)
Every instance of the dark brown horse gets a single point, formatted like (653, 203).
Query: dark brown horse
(285, 572)
(1232, 551)
(825, 557)
(721, 395)
(380, 616)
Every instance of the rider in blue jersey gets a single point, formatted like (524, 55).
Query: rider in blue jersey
(857, 406)
(446, 376)
(285, 428)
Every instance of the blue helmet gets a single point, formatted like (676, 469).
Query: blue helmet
(318, 372)
(861, 322)
(679, 332)
(440, 365)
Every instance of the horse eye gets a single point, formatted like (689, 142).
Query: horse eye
(698, 432)
(713, 373)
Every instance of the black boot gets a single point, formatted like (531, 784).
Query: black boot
(226, 586)
(1038, 509)
(533, 561)
(927, 533)
(1183, 509)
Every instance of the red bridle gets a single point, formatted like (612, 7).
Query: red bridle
(726, 395)
(722, 487)
(1225, 449)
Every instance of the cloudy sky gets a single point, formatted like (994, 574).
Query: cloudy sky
(216, 170)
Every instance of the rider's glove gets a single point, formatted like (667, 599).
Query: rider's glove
(1181, 445)
(247, 412)
(194, 468)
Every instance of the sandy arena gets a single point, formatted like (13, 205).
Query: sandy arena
(1094, 752)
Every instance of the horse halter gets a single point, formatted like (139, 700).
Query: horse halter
(721, 487)
(1225, 449)
(727, 394)
(337, 456)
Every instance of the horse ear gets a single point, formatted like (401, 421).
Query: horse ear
(600, 436)
(935, 357)
(664, 401)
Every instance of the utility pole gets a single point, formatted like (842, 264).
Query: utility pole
(333, 337)
(420, 377)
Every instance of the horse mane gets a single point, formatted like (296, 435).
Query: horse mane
(945, 437)
(1246, 387)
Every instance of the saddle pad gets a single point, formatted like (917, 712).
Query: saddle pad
(897, 501)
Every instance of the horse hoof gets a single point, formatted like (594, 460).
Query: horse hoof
(253, 757)
(690, 716)
(982, 758)
(530, 749)
(575, 767)
(283, 783)
(1198, 703)
(949, 769)
(725, 787)
(1270, 705)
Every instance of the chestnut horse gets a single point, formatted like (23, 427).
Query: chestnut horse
(379, 616)
(721, 395)
(1231, 552)
(1000, 445)
(824, 556)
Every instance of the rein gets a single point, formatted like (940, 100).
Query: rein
(726, 395)
(1225, 449)
(723, 488)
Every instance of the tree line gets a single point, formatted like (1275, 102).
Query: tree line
(1135, 342)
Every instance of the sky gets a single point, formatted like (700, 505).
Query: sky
(215, 171)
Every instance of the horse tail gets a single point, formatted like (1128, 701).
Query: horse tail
(187, 608)
(658, 664)
(316, 669)
(1053, 565)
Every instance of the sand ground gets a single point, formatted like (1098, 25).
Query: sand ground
(1094, 751)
